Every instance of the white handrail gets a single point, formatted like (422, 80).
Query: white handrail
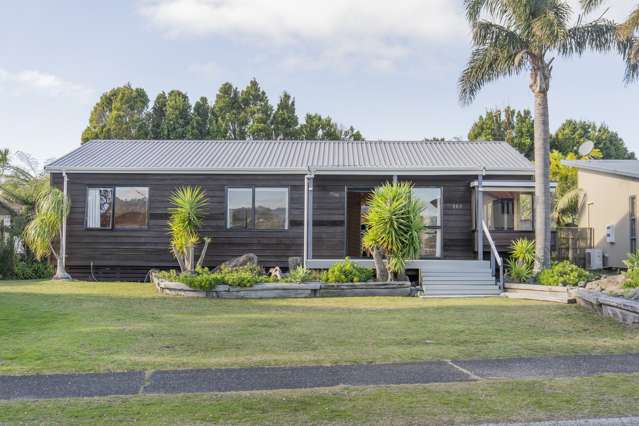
(494, 255)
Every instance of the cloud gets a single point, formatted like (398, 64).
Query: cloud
(342, 33)
(41, 82)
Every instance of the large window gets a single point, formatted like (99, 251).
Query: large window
(431, 236)
(120, 208)
(508, 211)
(257, 208)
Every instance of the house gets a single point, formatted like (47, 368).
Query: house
(609, 205)
(280, 199)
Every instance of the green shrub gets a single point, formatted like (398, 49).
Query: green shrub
(7, 260)
(346, 272)
(632, 278)
(564, 274)
(299, 275)
(519, 271)
(204, 279)
(632, 262)
(32, 270)
(523, 250)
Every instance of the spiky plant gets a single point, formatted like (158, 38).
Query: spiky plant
(515, 36)
(187, 213)
(394, 223)
(45, 228)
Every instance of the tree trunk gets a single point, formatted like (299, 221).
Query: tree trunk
(542, 181)
(380, 268)
(60, 273)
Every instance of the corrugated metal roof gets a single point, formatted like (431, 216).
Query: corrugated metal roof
(172, 156)
(616, 167)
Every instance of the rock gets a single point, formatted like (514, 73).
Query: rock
(634, 295)
(294, 262)
(610, 283)
(248, 259)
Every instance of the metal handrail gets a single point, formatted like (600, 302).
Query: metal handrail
(494, 256)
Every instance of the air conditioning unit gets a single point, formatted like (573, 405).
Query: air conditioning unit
(594, 259)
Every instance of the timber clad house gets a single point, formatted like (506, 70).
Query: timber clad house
(280, 199)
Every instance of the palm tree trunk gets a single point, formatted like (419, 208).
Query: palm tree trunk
(542, 180)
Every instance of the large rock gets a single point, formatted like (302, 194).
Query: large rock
(248, 259)
(612, 284)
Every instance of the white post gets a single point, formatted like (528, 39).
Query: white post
(308, 218)
(479, 215)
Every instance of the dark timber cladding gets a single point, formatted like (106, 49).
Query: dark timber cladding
(129, 254)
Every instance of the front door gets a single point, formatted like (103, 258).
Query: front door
(431, 236)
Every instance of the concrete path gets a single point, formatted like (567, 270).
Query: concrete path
(616, 421)
(269, 378)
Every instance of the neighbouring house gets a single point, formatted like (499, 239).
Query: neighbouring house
(609, 205)
(280, 199)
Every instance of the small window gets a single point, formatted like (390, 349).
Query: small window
(239, 208)
(257, 208)
(99, 208)
(131, 207)
(271, 208)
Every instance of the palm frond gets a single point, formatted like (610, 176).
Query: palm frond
(599, 35)
(631, 24)
(590, 5)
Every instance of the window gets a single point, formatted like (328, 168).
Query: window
(131, 207)
(431, 236)
(257, 208)
(99, 208)
(508, 211)
(128, 209)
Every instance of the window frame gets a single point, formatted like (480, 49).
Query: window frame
(253, 228)
(440, 227)
(112, 227)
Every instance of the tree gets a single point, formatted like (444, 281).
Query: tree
(22, 182)
(199, 126)
(394, 223)
(45, 229)
(316, 127)
(186, 218)
(510, 37)
(178, 115)
(256, 111)
(285, 119)
(230, 122)
(156, 116)
(572, 133)
(119, 114)
(510, 125)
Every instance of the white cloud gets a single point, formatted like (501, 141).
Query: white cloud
(340, 33)
(41, 82)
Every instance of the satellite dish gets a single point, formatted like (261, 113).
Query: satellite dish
(586, 148)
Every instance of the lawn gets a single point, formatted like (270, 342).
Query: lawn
(50, 326)
(453, 403)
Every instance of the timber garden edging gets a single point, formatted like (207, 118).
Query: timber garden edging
(285, 290)
(618, 308)
(545, 293)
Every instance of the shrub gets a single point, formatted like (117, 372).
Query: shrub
(632, 262)
(632, 278)
(564, 274)
(299, 275)
(204, 279)
(523, 250)
(519, 271)
(32, 270)
(346, 272)
(7, 260)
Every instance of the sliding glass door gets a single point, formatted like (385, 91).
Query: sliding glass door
(431, 235)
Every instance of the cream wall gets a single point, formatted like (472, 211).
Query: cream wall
(610, 197)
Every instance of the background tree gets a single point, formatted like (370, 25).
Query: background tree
(199, 126)
(119, 114)
(178, 114)
(230, 122)
(285, 119)
(157, 129)
(45, 229)
(510, 37)
(572, 133)
(186, 218)
(316, 127)
(510, 125)
(256, 111)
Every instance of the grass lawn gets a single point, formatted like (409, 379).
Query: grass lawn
(50, 326)
(485, 401)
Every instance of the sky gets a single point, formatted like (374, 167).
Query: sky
(389, 68)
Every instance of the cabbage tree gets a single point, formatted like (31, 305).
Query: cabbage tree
(44, 231)
(394, 224)
(187, 214)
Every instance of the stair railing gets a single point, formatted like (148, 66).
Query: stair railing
(495, 258)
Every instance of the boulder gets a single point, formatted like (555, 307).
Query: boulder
(248, 259)
(612, 284)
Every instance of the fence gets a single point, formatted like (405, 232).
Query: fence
(571, 244)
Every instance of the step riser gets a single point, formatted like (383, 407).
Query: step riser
(461, 288)
(456, 284)
(462, 293)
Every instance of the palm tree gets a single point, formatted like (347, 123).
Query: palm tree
(513, 36)
(45, 229)
(186, 218)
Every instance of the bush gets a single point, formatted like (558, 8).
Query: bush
(299, 275)
(632, 278)
(523, 250)
(32, 270)
(346, 272)
(632, 262)
(7, 260)
(203, 279)
(564, 274)
(519, 271)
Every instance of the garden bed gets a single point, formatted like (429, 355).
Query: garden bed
(621, 309)
(282, 290)
(540, 292)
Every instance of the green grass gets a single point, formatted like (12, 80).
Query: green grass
(485, 401)
(48, 326)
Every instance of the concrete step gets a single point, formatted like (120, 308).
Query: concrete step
(455, 277)
(457, 283)
(455, 266)
(470, 292)
(440, 287)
